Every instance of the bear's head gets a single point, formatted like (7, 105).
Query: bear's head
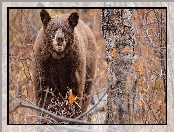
(58, 32)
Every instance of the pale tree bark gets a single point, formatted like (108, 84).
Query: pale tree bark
(118, 34)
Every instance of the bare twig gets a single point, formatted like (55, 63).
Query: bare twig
(93, 106)
(20, 104)
(21, 59)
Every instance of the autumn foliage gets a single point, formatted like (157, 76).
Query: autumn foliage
(146, 87)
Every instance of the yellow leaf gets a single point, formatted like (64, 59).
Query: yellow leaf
(159, 102)
(20, 63)
(12, 92)
(94, 119)
(24, 89)
(158, 83)
(146, 89)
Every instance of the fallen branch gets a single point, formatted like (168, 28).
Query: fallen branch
(20, 104)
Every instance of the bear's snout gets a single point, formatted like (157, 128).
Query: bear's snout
(60, 40)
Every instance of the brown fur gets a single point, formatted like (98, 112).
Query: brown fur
(68, 69)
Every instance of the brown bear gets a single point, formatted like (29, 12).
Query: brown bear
(65, 58)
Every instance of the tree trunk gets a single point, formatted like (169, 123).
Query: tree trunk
(118, 34)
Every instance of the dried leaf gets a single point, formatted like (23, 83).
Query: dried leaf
(140, 70)
(122, 30)
(94, 119)
(142, 103)
(142, 14)
(72, 98)
(135, 56)
(21, 47)
(146, 89)
(140, 88)
(159, 102)
(126, 49)
(137, 32)
(134, 66)
(158, 83)
(12, 92)
(134, 19)
(114, 53)
(19, 42)
(24, 89)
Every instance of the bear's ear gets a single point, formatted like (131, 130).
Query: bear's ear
(73, 19)
(45, 17)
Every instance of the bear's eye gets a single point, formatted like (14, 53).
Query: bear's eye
(53, 31)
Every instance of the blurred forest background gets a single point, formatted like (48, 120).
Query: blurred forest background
(146, 103)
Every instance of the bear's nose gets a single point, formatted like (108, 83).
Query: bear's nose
(60, 39)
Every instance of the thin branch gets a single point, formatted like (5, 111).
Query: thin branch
(54, 115)
(27, 99)
(47, 112)
(21, 59)
(93, 106)
(36, 116)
